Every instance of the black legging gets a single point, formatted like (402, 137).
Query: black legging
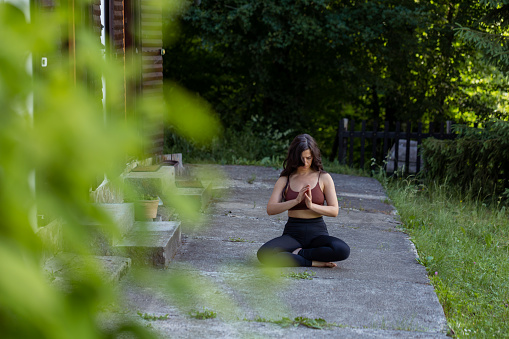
(309, 234)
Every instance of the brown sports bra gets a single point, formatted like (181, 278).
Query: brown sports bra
(317, 195)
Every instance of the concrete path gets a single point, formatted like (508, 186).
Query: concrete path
(379, 292)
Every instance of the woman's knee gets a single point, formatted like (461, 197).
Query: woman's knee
(341, 250)
(265, 253)
(261, 254)
(344, 251)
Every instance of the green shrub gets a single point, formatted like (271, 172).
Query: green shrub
(257, 141)
(477, 161)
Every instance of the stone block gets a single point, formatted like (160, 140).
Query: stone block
(151, 243)
(51, 237)
(121, 214)
(97, 238)
(155, 183)
(198, 196)
(65, 269)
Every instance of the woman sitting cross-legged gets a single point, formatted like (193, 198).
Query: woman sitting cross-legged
(302, 189)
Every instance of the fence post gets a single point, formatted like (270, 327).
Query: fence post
(407, 154)
(343, 126)
(419, 142)
(363, 140)
(350, 154)
(396, 143)
(448, 129)
(449, 135)
(386, 143)
(373, 145)
(335, 144)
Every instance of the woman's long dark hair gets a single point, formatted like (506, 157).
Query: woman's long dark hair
(301, 143)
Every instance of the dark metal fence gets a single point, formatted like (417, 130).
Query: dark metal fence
(383, 143)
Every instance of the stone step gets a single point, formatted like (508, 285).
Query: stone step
(151, 243)
(64, 268)
(198, 196)
(156, 181)
(122, 215)
(99, 237)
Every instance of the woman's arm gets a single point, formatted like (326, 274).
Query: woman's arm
(275, 206)
(329, 191)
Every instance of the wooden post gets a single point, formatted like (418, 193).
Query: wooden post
(407, 154)
(386, 141)
(363, 140)
(373, 145)
(396, 143)
(343, 126)
(419, 142)
(350, 155)
(335, 144)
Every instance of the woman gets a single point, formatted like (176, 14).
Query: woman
(302, 189)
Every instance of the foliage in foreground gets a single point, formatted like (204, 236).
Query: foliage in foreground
(55, 141)
(464, 245)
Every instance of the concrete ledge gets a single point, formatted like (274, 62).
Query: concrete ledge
(121, 214)
(99, 238)
(107, 193)
(153, 183)
(151, 243)
(200, 197)
(51, 237)
(64, 268)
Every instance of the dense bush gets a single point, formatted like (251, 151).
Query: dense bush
(477, 160)
(257, 142)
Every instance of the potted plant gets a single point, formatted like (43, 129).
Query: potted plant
(145, 207)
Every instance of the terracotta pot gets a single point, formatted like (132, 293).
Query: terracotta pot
(146, 209)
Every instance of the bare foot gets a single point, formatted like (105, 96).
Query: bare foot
(297, 251)
(323, 264)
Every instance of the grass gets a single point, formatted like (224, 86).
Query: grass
(153, 317)
(336, 167)
(237, 239)
(306, 275)
(205, 314)
(464, 245)
(251, 179)
(317, 323)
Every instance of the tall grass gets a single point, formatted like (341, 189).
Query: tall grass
(464, 245)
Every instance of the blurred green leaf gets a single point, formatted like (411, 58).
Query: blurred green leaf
(190, 115)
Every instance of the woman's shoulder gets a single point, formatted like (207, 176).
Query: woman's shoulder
(282, 179)
(326, 176)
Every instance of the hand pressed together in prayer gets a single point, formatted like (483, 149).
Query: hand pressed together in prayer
(308, 196)
(302, 193)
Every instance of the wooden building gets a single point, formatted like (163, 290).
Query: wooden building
(131, 32)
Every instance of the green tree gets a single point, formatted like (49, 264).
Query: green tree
(305, 64)
(489, 33)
